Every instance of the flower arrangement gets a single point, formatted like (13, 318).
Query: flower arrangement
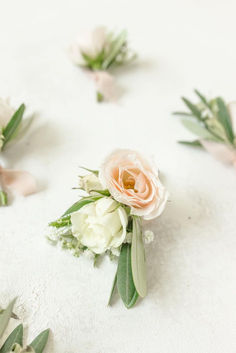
(98, 51)
(14, 342)
(108, 220)
(12, 126)
(214, 122)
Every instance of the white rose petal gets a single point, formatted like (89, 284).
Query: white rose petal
(100, 225)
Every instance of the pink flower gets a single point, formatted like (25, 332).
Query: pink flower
(90, 43)
(133, 181)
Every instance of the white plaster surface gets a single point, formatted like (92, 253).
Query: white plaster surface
(190, 307)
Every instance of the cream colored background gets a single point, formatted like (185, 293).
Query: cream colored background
(182, 44)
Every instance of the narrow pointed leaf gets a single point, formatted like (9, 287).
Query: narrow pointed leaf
(182, 114)
(95, 172)
(112, 290)
(138, 259)
(13, 124)
(116, 46)
(5, 317)
(15, 337)
(133, 300)
(203, 99)
(193, 108)
(196, 129)
(102, 192)
(125, 283)
(79, 204)
(224, 118)
(195, 143)
(40, 341)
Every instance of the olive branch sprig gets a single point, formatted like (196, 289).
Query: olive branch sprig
(209, 120)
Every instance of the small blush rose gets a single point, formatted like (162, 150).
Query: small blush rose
(90, 43)
(134, 181)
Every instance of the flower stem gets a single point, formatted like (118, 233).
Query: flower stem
(3, 198)
(100, 97)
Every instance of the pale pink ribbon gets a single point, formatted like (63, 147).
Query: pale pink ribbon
(17, 180)
(105, 84)
(220, 151)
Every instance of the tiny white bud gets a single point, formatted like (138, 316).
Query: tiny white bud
(148, 236)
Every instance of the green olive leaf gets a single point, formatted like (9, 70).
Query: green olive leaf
(5, 317)
(125, 283)
(13, 124)
(40, 341)
(15, 337)
(138, 259)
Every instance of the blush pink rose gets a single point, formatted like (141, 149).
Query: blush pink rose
(134, 181)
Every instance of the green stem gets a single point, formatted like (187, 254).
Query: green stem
(3, 198)
(100, 97)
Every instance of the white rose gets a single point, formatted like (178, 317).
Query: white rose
(90, 182)
(90, 43)
(100, 225)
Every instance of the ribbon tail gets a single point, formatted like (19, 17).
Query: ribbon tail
(20, 181)
(220, 151)
(105, 84)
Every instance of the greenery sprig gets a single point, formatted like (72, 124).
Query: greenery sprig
(14, 342)
(208, 119)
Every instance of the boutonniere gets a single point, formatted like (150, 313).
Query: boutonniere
(98, 52)
(12, 126)
(108, 220)
(214, 123)
(15, 340)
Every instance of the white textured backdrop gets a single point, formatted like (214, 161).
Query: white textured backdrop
(182, 44)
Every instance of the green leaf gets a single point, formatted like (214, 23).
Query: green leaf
(125, 283)
(15, 337)
(138, 258)
(195, 143)
(13, 124)
(40, 341)
(195, 128)
(112, 290)
(102, 192)
(133, 300)
(183, 114)
(5, 317)
(224, 118)
(96, 172)
(193, 108)
(79, 204)
(116, 45)
(203, 99)
(61, 222)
